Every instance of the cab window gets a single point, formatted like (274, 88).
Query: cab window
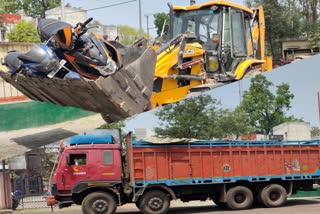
(238, 34)
(78, 159)
(107, 157)
(227, 31)
(203, 23)
(250, 47)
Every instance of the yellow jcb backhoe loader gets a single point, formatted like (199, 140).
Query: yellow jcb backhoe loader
(212, 44)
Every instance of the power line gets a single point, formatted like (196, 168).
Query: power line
(98, 8)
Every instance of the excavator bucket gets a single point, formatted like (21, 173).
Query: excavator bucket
(116, 97)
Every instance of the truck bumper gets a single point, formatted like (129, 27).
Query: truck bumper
(64, 200)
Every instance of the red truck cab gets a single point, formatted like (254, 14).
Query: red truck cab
(86, 164)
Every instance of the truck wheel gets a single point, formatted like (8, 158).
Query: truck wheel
(273, 195)
(99, 202)
(239, 198)
(154, 202)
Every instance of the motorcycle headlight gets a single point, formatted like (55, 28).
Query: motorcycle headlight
(109, 69)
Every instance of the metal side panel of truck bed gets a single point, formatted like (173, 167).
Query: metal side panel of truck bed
(117, 97)
(205, 162)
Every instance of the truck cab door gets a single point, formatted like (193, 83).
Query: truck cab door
(109, 168)
(75, 170)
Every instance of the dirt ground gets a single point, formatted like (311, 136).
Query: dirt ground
(293, 206)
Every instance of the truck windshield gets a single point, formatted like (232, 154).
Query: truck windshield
(203, 23)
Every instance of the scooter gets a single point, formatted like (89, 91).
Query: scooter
(16, 197)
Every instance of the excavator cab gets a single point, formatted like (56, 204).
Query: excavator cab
(220, 42)
(224, 33)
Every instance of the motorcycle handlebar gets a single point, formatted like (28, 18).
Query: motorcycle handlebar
(87, 21)
(81, 28)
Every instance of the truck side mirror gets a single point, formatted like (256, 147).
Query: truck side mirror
(68, 160)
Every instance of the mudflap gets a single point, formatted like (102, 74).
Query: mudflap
(116, 97)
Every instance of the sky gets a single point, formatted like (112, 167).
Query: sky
(302, 76)
(128, 14)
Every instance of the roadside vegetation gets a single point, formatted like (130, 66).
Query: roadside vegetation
(203, 117)
(289, 19)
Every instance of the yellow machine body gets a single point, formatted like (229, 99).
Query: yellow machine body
(206, 53)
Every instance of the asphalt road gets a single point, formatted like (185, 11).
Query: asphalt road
(293, 206)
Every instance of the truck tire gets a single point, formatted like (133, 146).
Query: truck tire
(154, 202)
(273, 195)
(239, 198)
(99, 202)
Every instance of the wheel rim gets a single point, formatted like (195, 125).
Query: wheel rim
(239, 198)
(99, 205)
(274, 195)
(155, 203)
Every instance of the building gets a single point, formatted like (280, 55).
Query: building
(26, 168)
(76, 15)
(8, 20)
(110, 32)
(295, 49)
(141, 133)
(293, 131)
(71, 15)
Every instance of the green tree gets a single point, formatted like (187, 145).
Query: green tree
(314, 36)
(116, 125)
(128, 34)
(187, 119)
(234, 122)
(159, 20)
(33, 8)
(47, 163)
(8, 6)
(283, 20)
(23, 31)
(201, 117)
(310, 10)
(266, 110)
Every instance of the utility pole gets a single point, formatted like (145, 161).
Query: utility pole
(147, 26)
(62, 10)
(318, 94)
(4, 177)
(240, 91)
(140, 20)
